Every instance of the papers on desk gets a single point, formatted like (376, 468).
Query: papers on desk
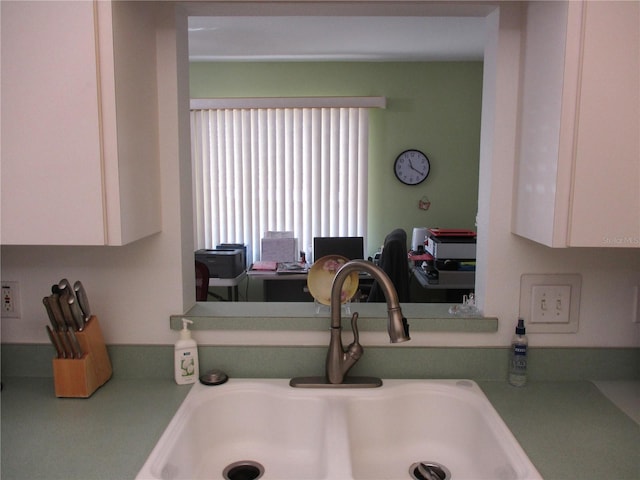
(265, 266)
(284, 268)
(292, 267)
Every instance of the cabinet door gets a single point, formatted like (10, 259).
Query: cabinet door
(578, 180)
(51, 156)
(130, 132)
(606, 184)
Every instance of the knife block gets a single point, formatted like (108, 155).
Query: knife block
(80, 377)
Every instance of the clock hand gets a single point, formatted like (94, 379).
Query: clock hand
(413, 168)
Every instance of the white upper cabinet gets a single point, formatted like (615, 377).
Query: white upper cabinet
(578, 171)
(80, 163)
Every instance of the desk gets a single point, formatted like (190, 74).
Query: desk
(442, 292)
(230, 283)
(283, 287)
(292, 287)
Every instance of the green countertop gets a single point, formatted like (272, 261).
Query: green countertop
(569, 430)
(107, 436)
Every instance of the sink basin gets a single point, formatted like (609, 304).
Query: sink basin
(218, 426)
(447, 423)
(269, 430)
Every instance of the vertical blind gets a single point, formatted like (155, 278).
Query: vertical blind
(278, 169)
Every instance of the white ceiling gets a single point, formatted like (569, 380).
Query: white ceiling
(336, 38)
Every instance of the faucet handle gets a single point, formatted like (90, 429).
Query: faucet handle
(354, 350)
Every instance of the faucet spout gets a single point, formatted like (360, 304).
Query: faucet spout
(339, 359)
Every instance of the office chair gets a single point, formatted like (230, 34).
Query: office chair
(393, 261)
(202, 282)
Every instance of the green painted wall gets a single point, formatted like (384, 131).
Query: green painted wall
(434, 107)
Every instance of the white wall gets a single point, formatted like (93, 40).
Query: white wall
(135, 288)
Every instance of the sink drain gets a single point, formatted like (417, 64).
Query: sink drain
(429, 471)
(243, 470)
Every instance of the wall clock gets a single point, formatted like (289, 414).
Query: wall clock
(412, 167)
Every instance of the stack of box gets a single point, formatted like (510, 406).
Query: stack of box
(454, 253)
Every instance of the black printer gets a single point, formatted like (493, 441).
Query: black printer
(222, 262)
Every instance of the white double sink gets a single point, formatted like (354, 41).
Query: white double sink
(378, 433)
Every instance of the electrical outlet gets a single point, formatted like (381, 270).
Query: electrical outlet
(550, 303)
(10, 300)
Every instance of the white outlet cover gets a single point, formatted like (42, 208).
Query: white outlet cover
(556, 287)
(15, 290)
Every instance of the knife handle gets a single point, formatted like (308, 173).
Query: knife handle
(66, 311)
(64, 343)
(75, 345)
(83, 299)
(76, 313)
(56, 342)
(54, 304)
(47, 307)
(65, 286)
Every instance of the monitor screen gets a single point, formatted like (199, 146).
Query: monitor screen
(349, 247)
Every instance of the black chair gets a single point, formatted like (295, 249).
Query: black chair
(202, 282)
(393, 260)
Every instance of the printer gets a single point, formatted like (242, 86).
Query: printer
(222, 262)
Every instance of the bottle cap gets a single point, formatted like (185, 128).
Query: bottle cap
(185, 334)
(520, 330)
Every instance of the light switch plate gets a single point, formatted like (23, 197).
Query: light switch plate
(550, 303)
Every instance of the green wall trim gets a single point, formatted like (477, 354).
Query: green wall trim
(477, 363)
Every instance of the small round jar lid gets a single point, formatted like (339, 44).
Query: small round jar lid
(213, 377)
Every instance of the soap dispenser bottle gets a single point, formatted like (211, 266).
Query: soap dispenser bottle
(186, 367)
(518, 356)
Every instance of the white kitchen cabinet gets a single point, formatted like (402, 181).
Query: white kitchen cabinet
(578, 171)
(80, 163)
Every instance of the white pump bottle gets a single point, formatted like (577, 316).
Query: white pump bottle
(186, 366)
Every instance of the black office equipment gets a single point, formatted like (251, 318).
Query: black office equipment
(235, 246)
(349, 247)
(222, 263)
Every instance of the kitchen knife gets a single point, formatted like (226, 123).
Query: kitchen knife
(65, 286)
(66, 346)
(66, 311)
(54, 304)
(76, 313)
(75, 345)
(83, 299)
(56, 342)
(47, 307)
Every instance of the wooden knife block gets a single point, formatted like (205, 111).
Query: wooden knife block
(80, 377)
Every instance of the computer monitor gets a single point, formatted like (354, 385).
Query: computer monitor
(349, 247)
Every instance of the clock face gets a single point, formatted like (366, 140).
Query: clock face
(412, 167)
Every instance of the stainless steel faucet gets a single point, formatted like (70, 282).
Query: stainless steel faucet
(339, 359)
